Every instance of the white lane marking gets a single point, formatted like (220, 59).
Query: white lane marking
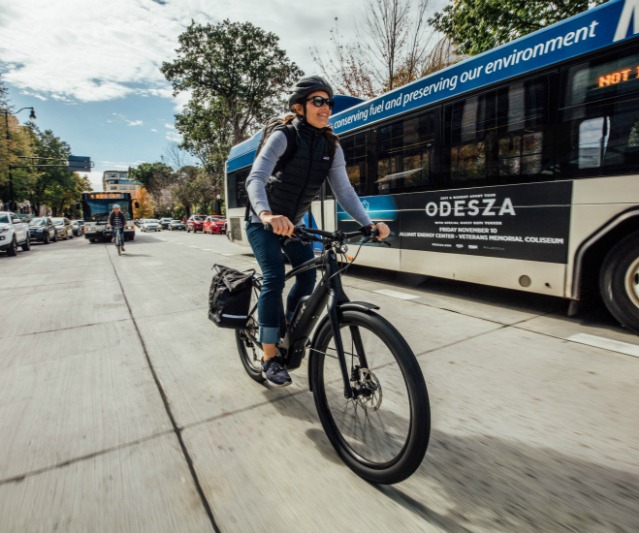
(205, 249)
(228, 255)
(607, 344)
(397, 294)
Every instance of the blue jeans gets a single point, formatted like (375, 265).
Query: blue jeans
(268, 249)
(118, 233)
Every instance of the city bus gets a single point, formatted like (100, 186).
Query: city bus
(96, 207)
(516, 168)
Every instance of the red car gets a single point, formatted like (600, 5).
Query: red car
(214, 224)
(195, 223)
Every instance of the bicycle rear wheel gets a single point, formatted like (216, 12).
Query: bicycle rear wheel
(247, 344)
(383, 433)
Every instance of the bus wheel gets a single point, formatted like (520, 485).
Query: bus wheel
(619, 281)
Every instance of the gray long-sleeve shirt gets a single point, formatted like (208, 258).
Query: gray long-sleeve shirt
(265, 162)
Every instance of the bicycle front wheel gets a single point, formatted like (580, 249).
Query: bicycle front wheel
(382, 432)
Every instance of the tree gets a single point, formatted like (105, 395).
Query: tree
(4, 94)
(391, 49)
(194, 190)
(154, 177)
(145, 207)
(346, 66)
(16, 147)
(479, 25)
(399, 39)
(50, 185)
(210, 137)
(236, 74)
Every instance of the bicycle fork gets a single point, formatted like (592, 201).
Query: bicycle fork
(337, 302)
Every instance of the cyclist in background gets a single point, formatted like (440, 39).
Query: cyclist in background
(117, 221)
(318, 157)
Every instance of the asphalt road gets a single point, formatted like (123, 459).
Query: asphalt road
(123, 409)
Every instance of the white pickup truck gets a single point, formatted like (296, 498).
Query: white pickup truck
(13, 233)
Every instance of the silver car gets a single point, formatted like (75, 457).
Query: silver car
(151, 224)
(63, 227)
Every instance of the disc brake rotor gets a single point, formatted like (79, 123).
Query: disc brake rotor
(368, 390)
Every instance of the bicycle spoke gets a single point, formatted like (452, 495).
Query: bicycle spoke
(374, 427)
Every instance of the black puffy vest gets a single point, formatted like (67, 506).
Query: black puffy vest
(292, 189)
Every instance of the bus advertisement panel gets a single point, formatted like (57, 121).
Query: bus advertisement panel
(529, 222)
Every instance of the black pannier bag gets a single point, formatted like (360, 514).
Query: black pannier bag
(230, 297)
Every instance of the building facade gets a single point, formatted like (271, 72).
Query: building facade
(118, 181)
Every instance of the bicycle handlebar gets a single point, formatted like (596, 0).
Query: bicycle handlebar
(304, 233)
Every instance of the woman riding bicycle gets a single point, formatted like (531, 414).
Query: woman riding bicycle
(281, 200)
(117, 221)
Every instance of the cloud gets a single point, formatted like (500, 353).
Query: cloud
(97, 51)
(122, 119)
(172, 134)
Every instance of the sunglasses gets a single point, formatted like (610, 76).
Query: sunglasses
(319, 101)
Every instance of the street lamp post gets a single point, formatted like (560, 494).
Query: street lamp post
(32, 116)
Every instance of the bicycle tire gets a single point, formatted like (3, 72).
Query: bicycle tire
(247, 344)
(403, 424)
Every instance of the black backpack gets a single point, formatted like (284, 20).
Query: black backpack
(272, 124)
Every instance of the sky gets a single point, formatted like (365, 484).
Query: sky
(91, 68)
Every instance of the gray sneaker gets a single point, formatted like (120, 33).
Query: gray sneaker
(275, 373)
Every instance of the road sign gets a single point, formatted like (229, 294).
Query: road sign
(77, 162)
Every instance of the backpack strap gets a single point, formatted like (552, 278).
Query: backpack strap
(289, 152)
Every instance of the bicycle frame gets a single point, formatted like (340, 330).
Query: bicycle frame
(327, 293)
(119, 236)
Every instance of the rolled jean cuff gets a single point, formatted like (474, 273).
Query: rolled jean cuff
(269, 334)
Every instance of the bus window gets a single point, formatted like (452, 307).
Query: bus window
(592, 142)
(467, 126)
(404, 151)
(600, 139)
(520, 119)
(236, 183)
(354, 148)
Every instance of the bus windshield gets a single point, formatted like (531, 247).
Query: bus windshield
(96, 209)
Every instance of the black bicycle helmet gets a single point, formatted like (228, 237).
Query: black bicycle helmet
(306, 86)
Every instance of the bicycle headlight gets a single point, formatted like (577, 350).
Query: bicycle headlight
(343, 249)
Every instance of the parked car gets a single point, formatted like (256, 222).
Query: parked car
(41, 229)
(78, 227)
(177, 225)
(63, 227)
(195, 223)
(165, 221)
(214, 224)
(151, 224)
(13, 233)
